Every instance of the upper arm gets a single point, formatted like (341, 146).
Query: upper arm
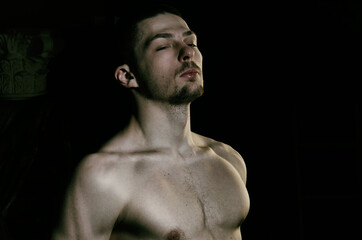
(92, 203)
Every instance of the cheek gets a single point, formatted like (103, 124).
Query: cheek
(163, 65)
(153, 66)
(159, 71)
(199, 56)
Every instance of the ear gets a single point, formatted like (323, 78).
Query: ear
(126, 78)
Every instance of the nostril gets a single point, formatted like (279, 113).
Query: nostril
(185, 58)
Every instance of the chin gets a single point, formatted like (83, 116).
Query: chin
(187, 94)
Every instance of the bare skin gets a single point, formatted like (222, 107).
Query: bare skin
(157, 179)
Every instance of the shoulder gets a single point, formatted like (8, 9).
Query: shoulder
(102, 184)
(102, 173)
(95, 199)
(97, 165)
(226, 152)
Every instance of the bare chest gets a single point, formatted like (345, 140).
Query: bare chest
(203, 198)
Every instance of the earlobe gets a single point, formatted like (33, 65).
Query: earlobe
(126, 78)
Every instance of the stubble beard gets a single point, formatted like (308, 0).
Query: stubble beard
(186, 95)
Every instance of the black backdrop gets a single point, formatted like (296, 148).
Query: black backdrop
(281, 87)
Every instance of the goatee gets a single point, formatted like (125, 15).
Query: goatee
(185, 95)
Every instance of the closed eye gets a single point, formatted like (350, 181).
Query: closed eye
(193, 45)
(161, 48)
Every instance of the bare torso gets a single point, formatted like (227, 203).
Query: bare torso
(157, 194)
(176, 197)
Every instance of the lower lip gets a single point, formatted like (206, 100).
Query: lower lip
(189, 75)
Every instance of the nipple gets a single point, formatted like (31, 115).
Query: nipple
(174, 235)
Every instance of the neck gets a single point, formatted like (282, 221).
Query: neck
(161, 125)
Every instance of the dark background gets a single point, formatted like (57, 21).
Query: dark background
(281, 87)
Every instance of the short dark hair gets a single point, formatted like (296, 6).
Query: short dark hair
(126, 29)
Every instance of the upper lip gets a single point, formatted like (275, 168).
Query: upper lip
(190, 70)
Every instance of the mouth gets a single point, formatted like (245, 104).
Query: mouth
(190, 73)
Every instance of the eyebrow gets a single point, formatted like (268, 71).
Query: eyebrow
(167, 35)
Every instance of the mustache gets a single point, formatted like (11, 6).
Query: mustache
(187, 65)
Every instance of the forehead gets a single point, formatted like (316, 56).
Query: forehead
(165, 22)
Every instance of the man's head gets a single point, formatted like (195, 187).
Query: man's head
(161, 58)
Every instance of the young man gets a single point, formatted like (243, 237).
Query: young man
(157, 179)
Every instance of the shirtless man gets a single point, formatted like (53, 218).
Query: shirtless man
(157, 179)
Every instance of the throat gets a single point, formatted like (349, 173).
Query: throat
(160, 130)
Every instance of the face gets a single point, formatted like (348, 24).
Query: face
(169, 62)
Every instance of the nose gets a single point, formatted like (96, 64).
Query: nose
(186, 53)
